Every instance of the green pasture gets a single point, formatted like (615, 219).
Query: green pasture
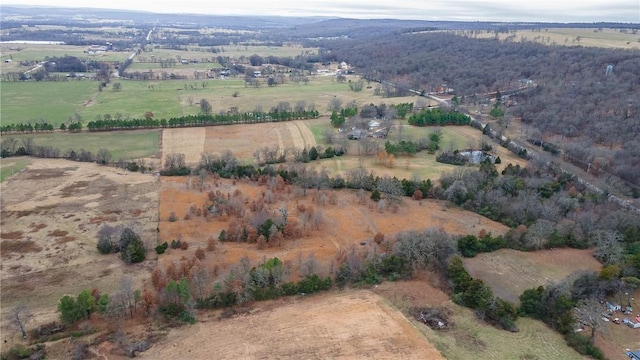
(280, 51)
(24, 102)
(9, 167)
(156, 67)
(122, 144)
(30, 52)
(233, 51)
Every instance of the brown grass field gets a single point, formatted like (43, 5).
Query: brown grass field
(337, 325)
(45, 230)
(243, 140)
(605, 38)
(49, 235)
(50, 215)
(346, 223)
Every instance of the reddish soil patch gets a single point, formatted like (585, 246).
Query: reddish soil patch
(19, 246)
(510, 272)
(101, 219)
(65, 239)
(37, 227)
(58, 233)
(12, 235)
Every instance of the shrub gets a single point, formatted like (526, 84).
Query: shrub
(132, 166)
(103, 303)
(453, 158)
(173, 217)
(469, 246)
(200, 254)
(105, 246)
(218, 299)
(131, 247)
(19, 351)
(69, 310)
(582, 345)
(314, 283)
(375, 195)
(288, 289)
(184, 245)
(160, 249)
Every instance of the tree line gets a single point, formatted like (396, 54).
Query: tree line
(438, 117)
(150, 123)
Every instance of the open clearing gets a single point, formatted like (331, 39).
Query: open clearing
(50, 215)
(346, 325)
(510, 272)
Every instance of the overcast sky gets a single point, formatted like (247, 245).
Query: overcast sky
(467, 10)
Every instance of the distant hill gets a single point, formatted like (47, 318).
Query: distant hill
(305, 27)
(41, 14)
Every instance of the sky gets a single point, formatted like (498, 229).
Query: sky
(627, 11)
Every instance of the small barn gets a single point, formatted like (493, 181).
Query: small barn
(355, 134)
(613, 307)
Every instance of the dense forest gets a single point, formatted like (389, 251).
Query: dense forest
(577, 98)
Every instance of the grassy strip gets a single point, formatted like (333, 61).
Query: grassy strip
(10, 167)
(122, 144)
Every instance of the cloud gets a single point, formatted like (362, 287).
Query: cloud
(467, 10)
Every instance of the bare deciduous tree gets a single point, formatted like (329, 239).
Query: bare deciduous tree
(200, 279)
(175, 161)
(128, 294)
(589, 313)
(18, 317)
(609, 249)
(335, 104)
